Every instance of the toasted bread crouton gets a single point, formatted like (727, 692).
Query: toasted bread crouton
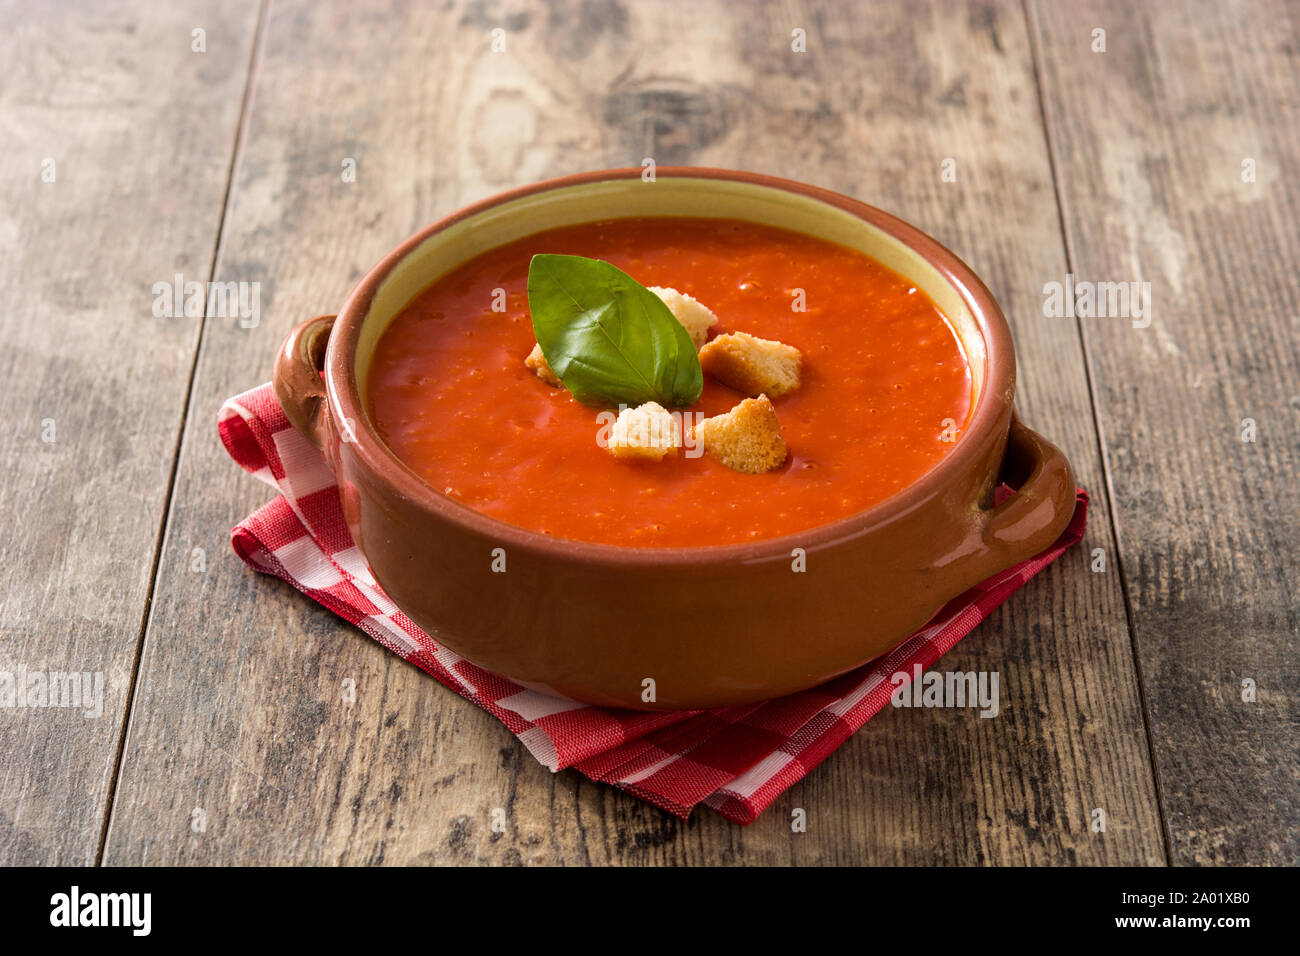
(647, 431)
(747, 438)
(537, 362)
(752, 365)
(696, 317)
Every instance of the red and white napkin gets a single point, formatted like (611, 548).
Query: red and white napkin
(737, 760)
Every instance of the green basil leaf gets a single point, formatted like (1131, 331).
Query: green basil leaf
(608, 338)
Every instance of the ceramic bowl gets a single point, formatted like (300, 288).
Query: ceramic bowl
(709, 625)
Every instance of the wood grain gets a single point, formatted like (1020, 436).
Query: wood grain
(1150, 139)
(118, 141)
(239, 711)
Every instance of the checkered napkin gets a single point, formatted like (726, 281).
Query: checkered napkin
(736, 760)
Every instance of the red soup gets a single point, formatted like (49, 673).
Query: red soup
(885, 388)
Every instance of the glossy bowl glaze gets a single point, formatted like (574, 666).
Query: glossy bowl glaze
(707, 626)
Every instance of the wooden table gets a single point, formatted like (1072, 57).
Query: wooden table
(1000, 128)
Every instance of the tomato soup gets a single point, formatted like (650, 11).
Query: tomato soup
(885, 388)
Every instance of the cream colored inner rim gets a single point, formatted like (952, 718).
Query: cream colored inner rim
(669, 196)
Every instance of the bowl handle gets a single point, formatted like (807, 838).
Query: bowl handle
(297, 378)
(1036, 513)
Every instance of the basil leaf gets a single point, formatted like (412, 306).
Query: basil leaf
(608, 338)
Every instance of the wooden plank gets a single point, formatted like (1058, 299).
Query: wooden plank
(118, 141)
(239, 712)
(1150, 138)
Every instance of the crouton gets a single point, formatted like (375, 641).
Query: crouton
(752, 365)
(537, 362)
(747, 438)
(696, 317)
(647, 431)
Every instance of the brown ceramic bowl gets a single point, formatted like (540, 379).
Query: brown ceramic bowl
(712, 625)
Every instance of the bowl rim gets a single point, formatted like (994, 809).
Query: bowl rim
(994, 401)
